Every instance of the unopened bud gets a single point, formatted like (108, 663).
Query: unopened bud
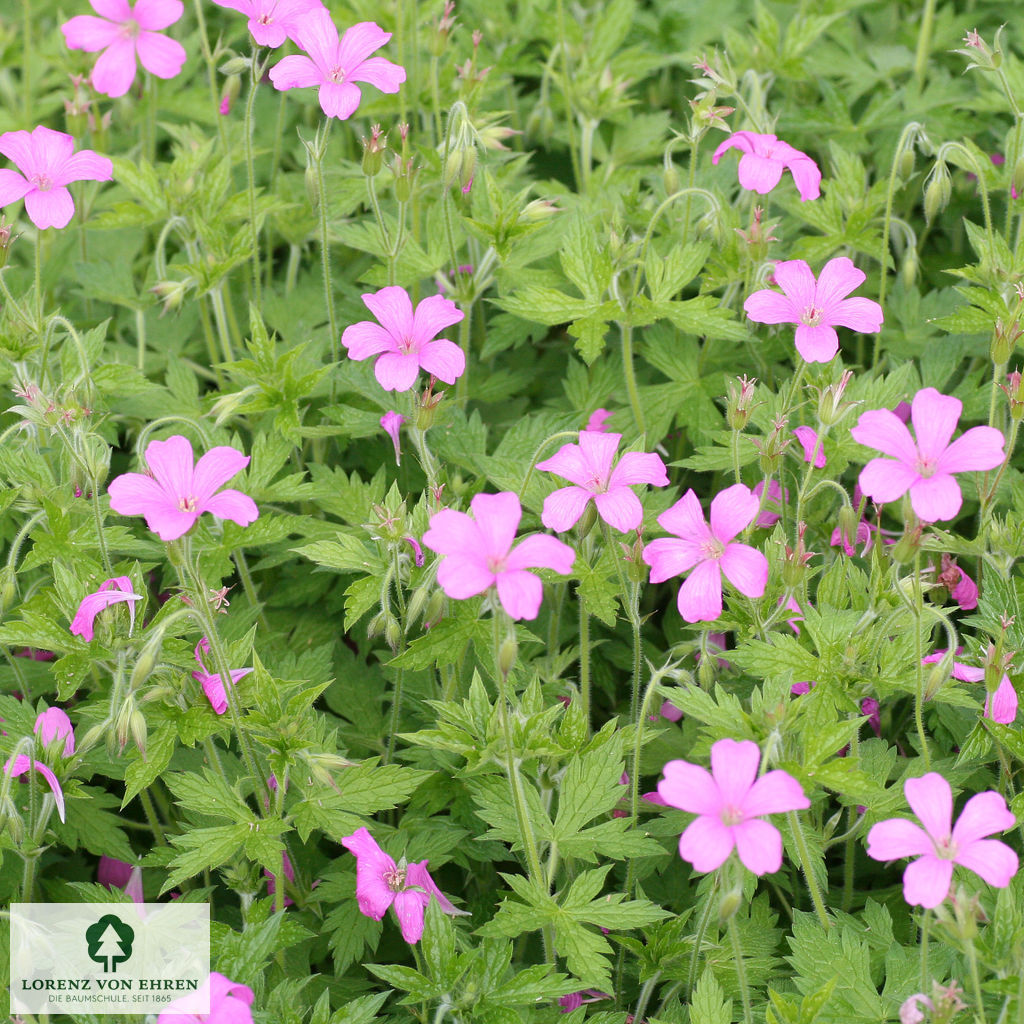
(507, 654)
(434, 610)
(729, 904)
(636, 567)
(8, 588)
(906, 163)
(312, 187)
(376, 626)
(418, 601)
(669, 174)
(587, 521)
(123, 723)
(908, 268)
(907, 546)
(1004, 340)
(147, 661)
(235, 66)
(938, 675)
(5, 241)
(373, 152)
(848, 525)
(937, 192)
(137, 726)
(392, 633)
(538, 210)
(740, 403)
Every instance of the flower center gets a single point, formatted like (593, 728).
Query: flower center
(712, 548)
(337, 74)
(812, 315)
(41, 182)
(731, 815)
(945, 848)
(130, 29)
(187, 504)
(596, 483)
(926, 467)
(496, 565)
(394, 878)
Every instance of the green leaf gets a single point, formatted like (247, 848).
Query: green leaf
(590, 787)
(346, 554)
(141, 772)
(202, 849)
(709, 1005)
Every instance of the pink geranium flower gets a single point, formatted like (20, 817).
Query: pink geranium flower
(961, 587)
(111, 592)
(708, 551)
(117, 874)
(392, 423)
(271, 22)
(478, 553)
(406, 341)
(924, 467)
(814, 450)
(729, 804)
(174, 494)
(380, 882)
(589, 466)
(52, 725)
(817, 307)
(230, 1003)
(765, 158)
(213, 685)
(123, 33)
(926, 880)
(863, 537)
(1000, 706)
(336, 65)
(47, 164)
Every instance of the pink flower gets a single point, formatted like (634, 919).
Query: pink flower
(814, 450)
(1000, 706)
(173, 495)
(870, 707)
(729, 803)
(961, 587)
(117, 874)
(849, 544)
(112, 591)
(817, 307)
(392, 423)
(271, 22)
(479, 553)
(764, 159)
(598, 419)
(289, 873)
(48, 164)
(926, 880)
(574, 1000)
(53, 724)
(213, 685)
(405, 340)
(768, 516)
(926, 466)
(669, 711)
(709, 552)
(230, 1003)
(589, 466)
(717, 643)
(336, 65)
(123, 33)
(381, 882)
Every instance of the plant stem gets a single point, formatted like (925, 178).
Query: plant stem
(325, 254)
(627, 369)
(741, 971)
(806, 867)
(924, 41)
(972, 961)
(211, 72)
(920, 696)
(585, 660)
(250, 170)
(698, 939)
(926, 920)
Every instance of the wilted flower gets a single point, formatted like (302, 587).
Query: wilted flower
(213, 685)
(111, 592)
(392, 422)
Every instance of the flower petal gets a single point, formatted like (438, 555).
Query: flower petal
(639, 468)
(795, 278)
(520, 593)
(568, 462)
(13, 187)
(769, 307)
(339, 99)
(734, 765)
(214, 470)
(381, 73)
(160, 55)
(686, 519)
(444, 359)
(85, 165)
(993, 860)
(295, 72)
(746, 569)
(563, 508)
(883, 430)
(372, 863)
(806, 176)
(396, 371)
(432, 316)
(156, 15)
(131, 494)
(115, 70)
(51, 209)
(897, 837)
(814, 450)
(497, 518)
(983, 815)
(462, 576)
(417, 875)
(885, 480)
(393, 309)
(366, 339)
(931, 799)
(233, 505)
(359, 42)
(732, 511)
(670, 557)
(816, 344)
(774, 792)
(541, 552)
(759, 846)
(837, 279)
(859, 314)
(620, 508)
(690, 788)
(935, 498)
(317, 34)
(759, 174)
(706, 843)
(935, 417)
(976, 449)
(700, 596)
(1001, 706)
(85, 32)
(409, 908)
(454, 533)
(926, 881)
(743, 141)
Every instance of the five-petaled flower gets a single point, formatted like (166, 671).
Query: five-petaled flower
(406, 341)
(729, 804)
(212, 684)
(938, 847)
(478, 553)
(175, 494)
(124, 32)
(47, 164)
(52, 726)
(764, 159)
(271, 22)
(380, 882)
(111, 592)
(708, 551)
(589, 466)
(924, 467)
(817, 307)
(335, 65)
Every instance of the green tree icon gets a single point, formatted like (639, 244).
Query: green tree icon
(110, 942)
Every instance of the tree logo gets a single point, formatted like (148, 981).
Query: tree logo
(110, 942)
